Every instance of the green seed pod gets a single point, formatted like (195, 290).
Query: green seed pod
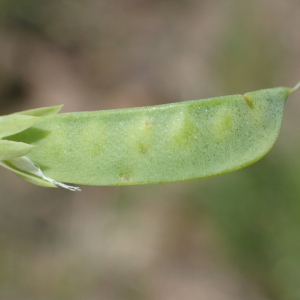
(165, 143)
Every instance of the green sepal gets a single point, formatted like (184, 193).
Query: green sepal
(26, 176)
(42, 111)
(10, 149)
(13, 124)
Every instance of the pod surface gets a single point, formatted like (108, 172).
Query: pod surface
(165, 143)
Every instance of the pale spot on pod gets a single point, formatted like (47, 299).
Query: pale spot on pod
(182, 129)
(140, 135)
(125, 179)
(96, 146)
(222, 123)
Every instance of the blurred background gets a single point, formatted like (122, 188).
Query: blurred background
(235, 236)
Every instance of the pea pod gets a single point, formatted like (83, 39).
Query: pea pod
(165, 143)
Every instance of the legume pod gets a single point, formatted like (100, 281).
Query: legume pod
(165, 143)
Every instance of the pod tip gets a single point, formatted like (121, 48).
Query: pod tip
(295, 87)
